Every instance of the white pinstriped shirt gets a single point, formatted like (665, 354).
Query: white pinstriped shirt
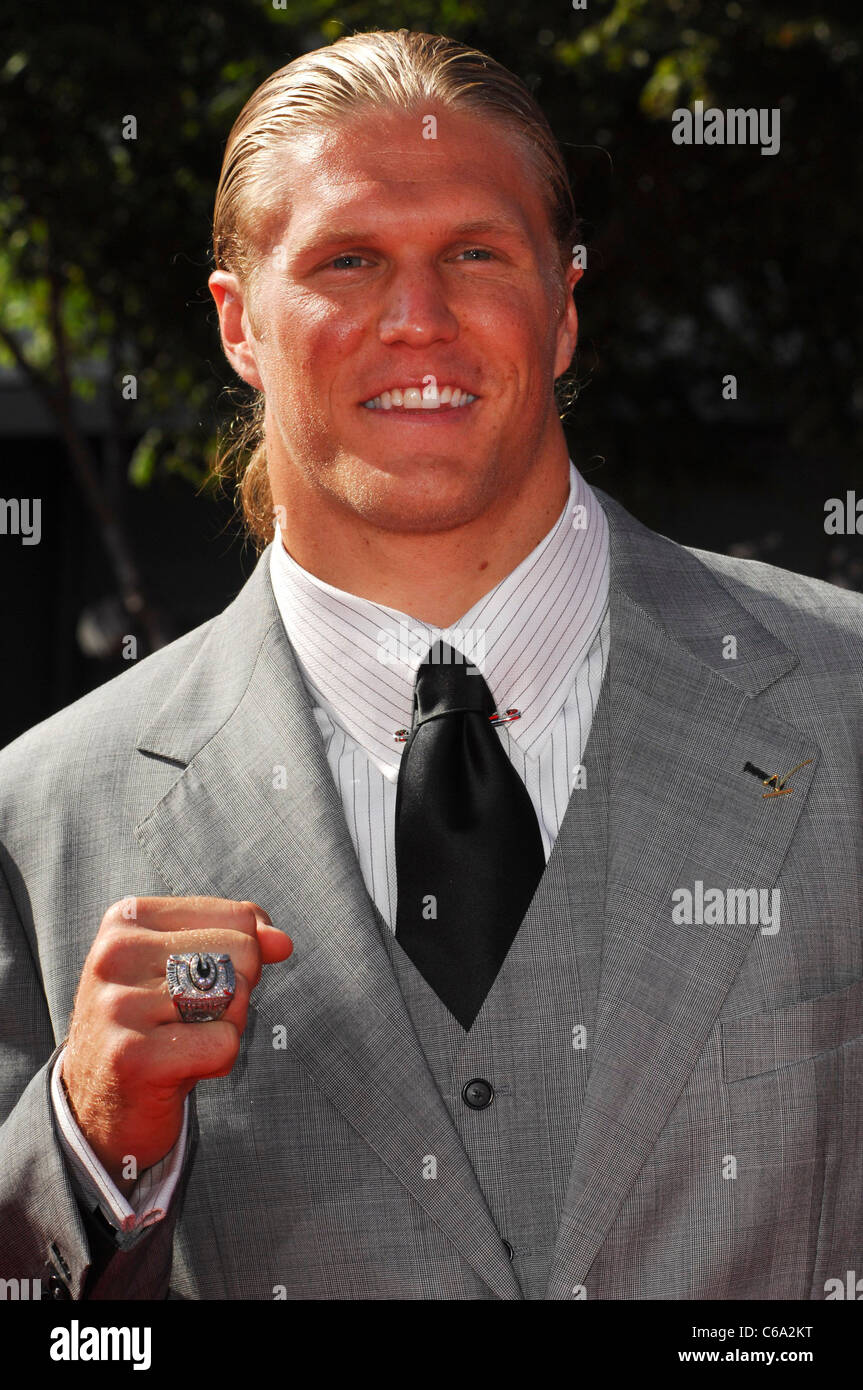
(540, 638)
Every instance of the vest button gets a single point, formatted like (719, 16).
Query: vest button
(477, 1093)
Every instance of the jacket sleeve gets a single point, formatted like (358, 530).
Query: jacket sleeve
(46, 1230)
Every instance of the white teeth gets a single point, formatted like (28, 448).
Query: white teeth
(412, 398)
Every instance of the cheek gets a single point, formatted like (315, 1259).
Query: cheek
(321, 329)
(517, 328)
(316, 346)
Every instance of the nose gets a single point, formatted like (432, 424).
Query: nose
(416, 311)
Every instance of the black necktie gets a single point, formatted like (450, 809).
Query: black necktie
(469, 852)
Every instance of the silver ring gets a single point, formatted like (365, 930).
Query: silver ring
(201, 985)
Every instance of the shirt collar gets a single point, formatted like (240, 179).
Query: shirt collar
(528, 635)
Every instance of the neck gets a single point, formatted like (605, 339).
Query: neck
(434, 576)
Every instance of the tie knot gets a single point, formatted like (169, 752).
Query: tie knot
(446, 682)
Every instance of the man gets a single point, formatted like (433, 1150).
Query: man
(562, 819)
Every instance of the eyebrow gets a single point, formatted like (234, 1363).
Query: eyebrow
(504, 226)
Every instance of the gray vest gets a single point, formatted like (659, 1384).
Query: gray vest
(532, 1037)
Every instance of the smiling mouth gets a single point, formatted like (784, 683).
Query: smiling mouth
(411, 398)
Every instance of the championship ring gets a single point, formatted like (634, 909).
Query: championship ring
(201, 985)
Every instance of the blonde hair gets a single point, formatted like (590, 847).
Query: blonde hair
(389, 70)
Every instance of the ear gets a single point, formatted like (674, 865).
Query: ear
(567, 329)
(237, 340)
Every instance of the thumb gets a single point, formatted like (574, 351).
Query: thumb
(275, 944)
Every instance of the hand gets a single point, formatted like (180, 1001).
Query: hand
(130, 1062)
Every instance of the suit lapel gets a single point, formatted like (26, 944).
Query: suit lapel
(255, 815)
(681, 809)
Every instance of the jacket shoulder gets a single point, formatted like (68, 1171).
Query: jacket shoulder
(796, 609)
(768, 590)
(820, 622)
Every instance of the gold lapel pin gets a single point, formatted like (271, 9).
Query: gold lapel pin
(778, 783)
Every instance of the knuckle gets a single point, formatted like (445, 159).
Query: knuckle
(111, 950)
(253, 968)
(243, 914)
(224, 1051)
(139, 1007)
(238, 1013)
(122, 912)
(125, 1054)
(113, 1001)
(105, 954)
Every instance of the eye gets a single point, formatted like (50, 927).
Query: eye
(476, 251)
(348, 256)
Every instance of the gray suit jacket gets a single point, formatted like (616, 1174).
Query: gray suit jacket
(714, 1150)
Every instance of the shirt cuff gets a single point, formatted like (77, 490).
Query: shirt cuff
(148, 1200)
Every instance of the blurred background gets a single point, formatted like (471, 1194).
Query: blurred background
(702, 261)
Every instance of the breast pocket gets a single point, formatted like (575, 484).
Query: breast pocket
(759, 1043)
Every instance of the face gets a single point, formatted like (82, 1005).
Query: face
(407, 270)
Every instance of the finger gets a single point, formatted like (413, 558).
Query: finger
(275, 944)
(188, 914)
(244, 951)
(143, 1010)
(134, 957)
(195, 913)
(191, 1052)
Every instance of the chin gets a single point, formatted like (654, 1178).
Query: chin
(404, 503)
